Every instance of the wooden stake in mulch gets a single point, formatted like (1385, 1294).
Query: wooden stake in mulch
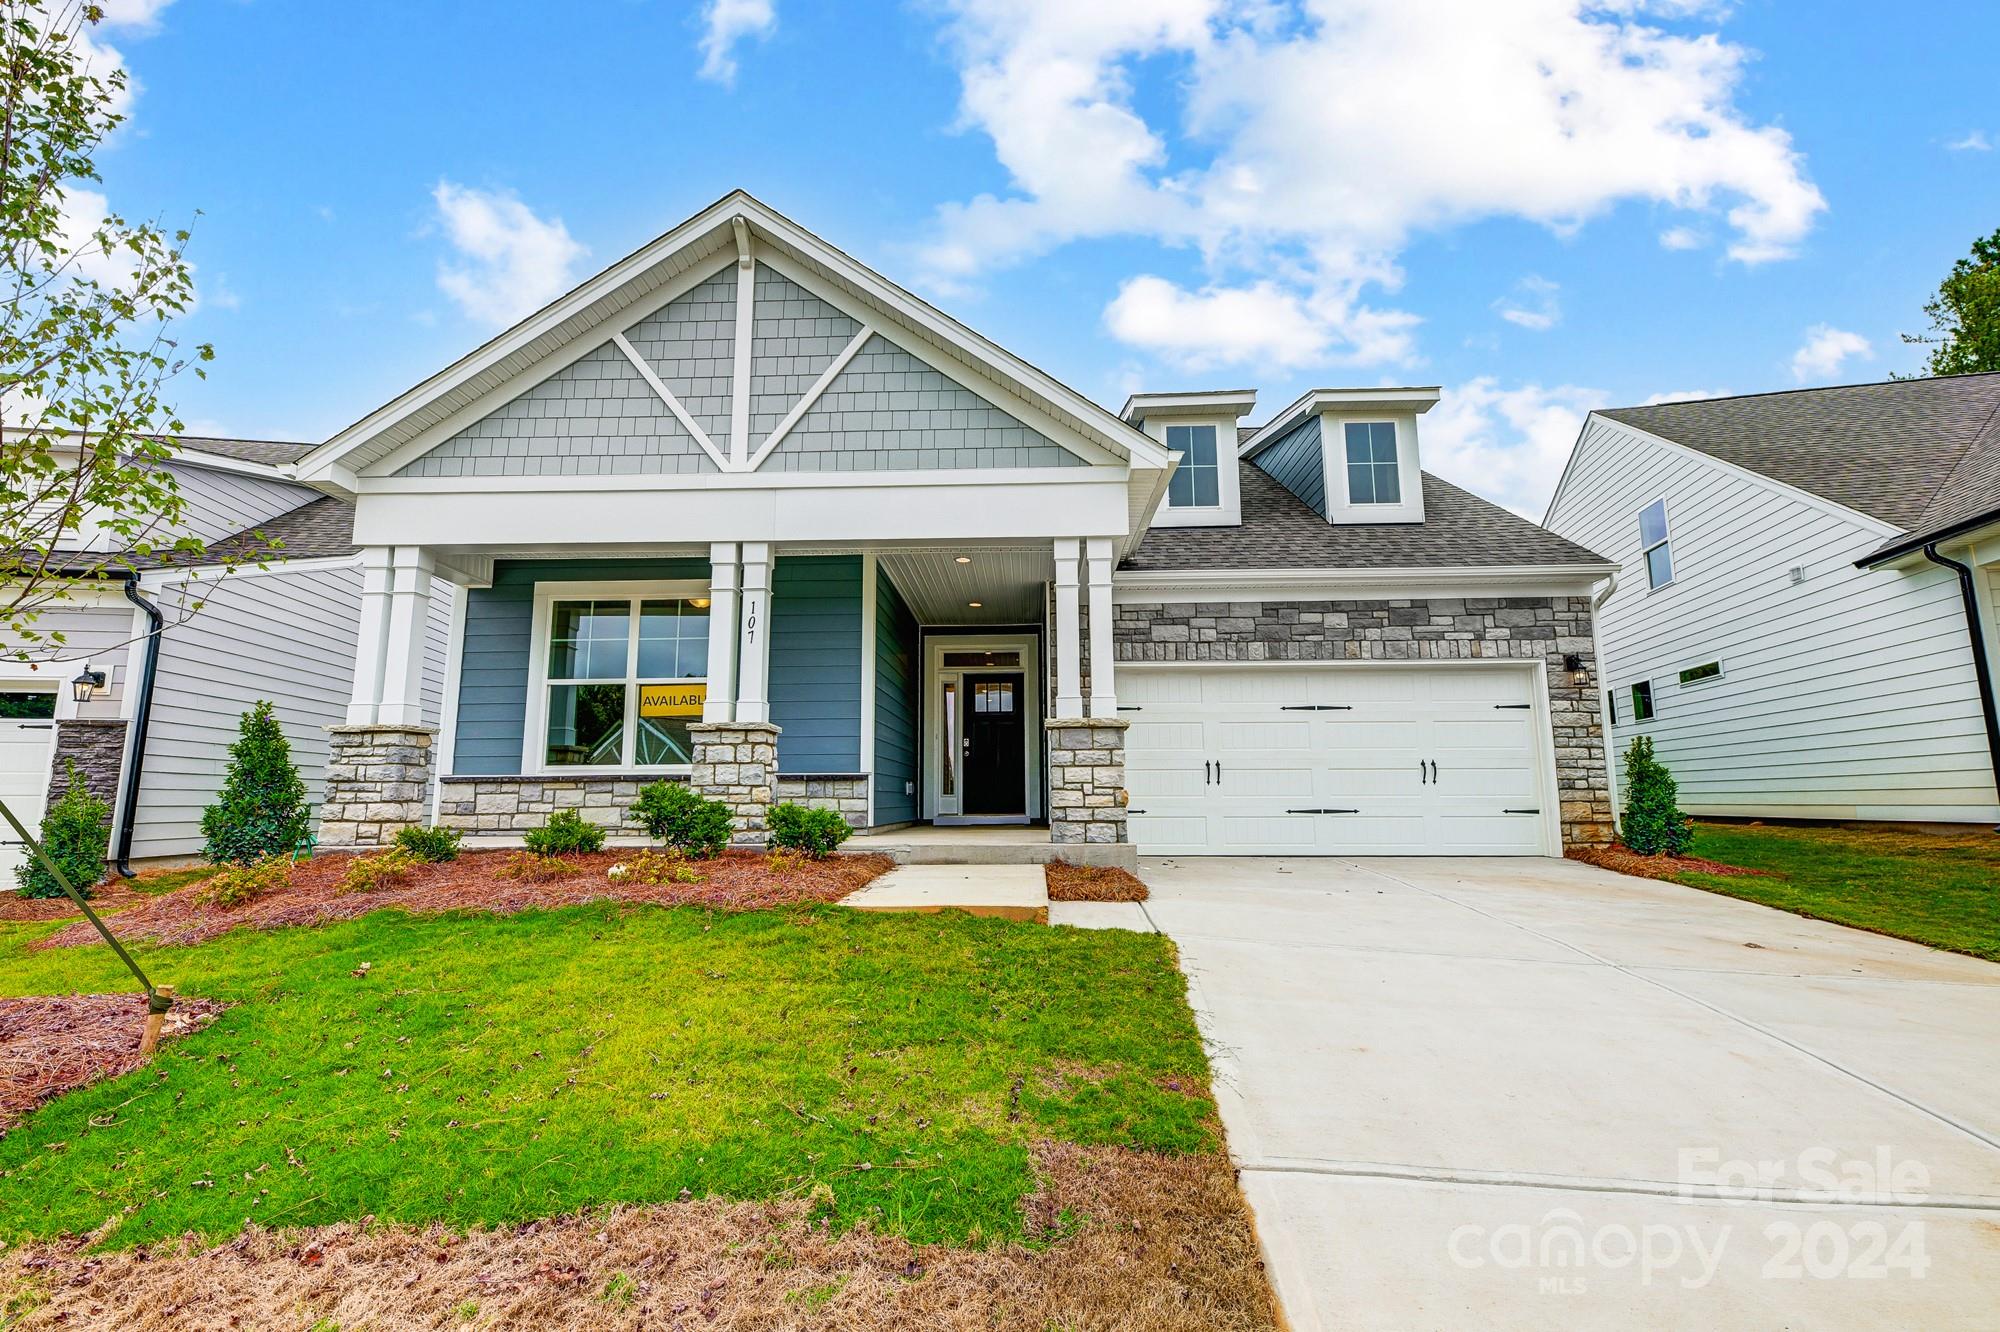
(159, 998)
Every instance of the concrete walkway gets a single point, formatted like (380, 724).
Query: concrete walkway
(1012, 892)
(1516, 1094)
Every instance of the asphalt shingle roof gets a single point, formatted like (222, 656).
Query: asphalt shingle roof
(1922, 454)
(1281, 531)
(270, 452)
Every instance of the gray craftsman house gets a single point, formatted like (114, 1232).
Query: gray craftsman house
(740, 512)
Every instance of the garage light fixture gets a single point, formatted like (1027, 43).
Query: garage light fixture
(975, 604)
(87, 682)
(962, 559)
(1573, 663)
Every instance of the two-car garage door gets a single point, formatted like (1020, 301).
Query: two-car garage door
(1334, 760)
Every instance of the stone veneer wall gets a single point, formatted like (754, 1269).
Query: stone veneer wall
(1436, 629)
(1086, 779)
(737, 763)
(98, 750)
(499, 806)
(846, 792)
(378, 780)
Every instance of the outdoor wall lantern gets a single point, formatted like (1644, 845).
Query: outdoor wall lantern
(87, 682)
(1573, 663)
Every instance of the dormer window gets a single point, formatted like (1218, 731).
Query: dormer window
(1373, 474)
(1196, 483)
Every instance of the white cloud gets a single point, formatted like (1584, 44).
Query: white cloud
(1974, 141)
(141, 15)
(510, 262)
(1309, 145)
(726, 24)
(1825, 350)
(1680, 238)
(1532, 305)
(1508, 445)
(1261, 324)
(1682, 395)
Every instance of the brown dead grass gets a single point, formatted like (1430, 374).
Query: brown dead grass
(51, 1044)
(736, 881)
(1624, 860)
(1093, 883)
(1121, 1241)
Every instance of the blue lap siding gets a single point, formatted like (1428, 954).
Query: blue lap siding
(1295, 462)
(816, 662)
(897, 671)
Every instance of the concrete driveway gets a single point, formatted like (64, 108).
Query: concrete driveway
(1529, 1093)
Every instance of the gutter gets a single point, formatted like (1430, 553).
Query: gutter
(1603, 698)
(1958, 529)
(1982, 669)
(142, 711)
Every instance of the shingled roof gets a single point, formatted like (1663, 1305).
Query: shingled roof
(1922, 454)
(1281, 531)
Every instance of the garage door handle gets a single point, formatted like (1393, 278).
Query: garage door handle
(1207, 773)
(1322, 811)
(1423, 773)
(1434, 772)
(1316, 707)
(1520, 706)
(1520, 811)
(1218, 772)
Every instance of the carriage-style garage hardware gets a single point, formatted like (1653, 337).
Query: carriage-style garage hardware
(1322, 811)
(1520, 811)
(1517, 707)
(1431, 780)
(1316, 707)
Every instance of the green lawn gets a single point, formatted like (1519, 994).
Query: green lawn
(492, 1069)
(1942, 890)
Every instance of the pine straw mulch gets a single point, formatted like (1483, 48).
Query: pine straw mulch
(734, 881)
(1125, 1242)
(114, 896)
(51, 1044)
(1624, 860)
(1093, 883)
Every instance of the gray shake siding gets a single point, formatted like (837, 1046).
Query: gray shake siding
(889, 411)
(797, 336)
(596, 417)
(691, 345)
(1295, 462)
(1440, 629)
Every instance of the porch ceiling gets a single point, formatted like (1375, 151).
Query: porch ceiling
(1006, 581)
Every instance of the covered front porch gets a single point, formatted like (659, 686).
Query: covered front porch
(949, 700)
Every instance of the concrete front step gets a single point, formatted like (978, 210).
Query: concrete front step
(1011, 892)
(928, 846)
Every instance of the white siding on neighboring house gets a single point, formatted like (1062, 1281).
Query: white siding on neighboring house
(285, 635)
(1846, 695)
(97, 636)
(220, 504)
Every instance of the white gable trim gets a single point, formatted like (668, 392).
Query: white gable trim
(812, 395)
(680, 412)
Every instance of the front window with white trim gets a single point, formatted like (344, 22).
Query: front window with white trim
(1655, 545)
(1197, 481)
(623, 677)
(1373, 474)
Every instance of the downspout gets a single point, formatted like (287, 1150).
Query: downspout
(142, 711)
(1981, 669)
(1604, 694)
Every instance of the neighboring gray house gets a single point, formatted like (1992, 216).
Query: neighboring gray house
(284, 631)
(740, 512)
(1807, 619)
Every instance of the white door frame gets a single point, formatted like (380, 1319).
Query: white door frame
(1549, 792)
(935, 675)
(14, 683)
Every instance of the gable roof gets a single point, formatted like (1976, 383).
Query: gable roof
(1281, 531)
(699, 243)
(1920, 454)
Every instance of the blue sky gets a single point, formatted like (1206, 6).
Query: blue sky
(1542, 205)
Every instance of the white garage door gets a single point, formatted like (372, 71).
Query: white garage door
(1333, 760)
(25, 749)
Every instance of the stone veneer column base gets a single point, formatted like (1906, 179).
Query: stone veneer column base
(97, 748)
(1086, 779)
(737, 763)
(378, 780)
(844, 792)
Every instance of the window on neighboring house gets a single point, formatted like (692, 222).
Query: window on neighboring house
(1642, 701)
(619, 698)
(1654, 543)
(1197, 481)
(1711, 670)
(1372, 475)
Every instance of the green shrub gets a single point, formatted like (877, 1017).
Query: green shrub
(261, 810)
(672, 813)
(236, 884)
(1654, 823)
(813, 833)
(384, 869)
(433, 846)
(75, 831)
(567, 833)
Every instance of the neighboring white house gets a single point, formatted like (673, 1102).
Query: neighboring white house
(1779, 628)
(281, 625)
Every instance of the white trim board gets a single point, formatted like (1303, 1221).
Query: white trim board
(1032, 668)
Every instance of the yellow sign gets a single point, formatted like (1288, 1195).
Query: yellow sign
(673, 700)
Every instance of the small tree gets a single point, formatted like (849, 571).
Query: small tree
(1965, 314)
(261, 810)
(1654, 823)
(75, 832)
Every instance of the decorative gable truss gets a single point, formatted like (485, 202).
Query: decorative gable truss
(695, 386)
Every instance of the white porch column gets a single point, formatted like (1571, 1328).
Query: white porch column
(403, 649)
(1103, 670)
(723, 630)
(1069, 636)
(371, 646)
(753, 669)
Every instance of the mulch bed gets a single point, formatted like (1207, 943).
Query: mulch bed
(735, 881)
(1624, 860)
(1093, 883)
(51, 1044)
(115, 896)
(1128, 1242)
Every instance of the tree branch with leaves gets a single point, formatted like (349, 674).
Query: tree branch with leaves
(1965, 314)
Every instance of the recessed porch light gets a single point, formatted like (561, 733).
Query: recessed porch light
(975, 604)
(963, 559)
(699, 603)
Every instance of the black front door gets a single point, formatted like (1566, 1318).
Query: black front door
(995, 772)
